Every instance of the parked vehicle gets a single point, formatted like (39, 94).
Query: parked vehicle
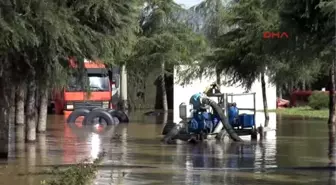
(100, 81)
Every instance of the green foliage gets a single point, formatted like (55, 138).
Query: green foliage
(166, 37)
(38, 36)
(241, 52)
(234, 30)
(318, 100)
(79, 174)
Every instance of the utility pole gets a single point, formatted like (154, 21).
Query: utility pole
(123, 88)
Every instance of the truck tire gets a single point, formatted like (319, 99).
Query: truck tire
(168, 127)
(100, 120)
(116, 120)
(122, 116)
(76, 114)
(108, 119)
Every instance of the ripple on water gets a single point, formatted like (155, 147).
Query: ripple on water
(134, 155)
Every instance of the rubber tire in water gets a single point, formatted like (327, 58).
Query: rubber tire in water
(116, 120)
(89, 119)
(168, 127)
(107, 110)
(122, 116)
(76, 114)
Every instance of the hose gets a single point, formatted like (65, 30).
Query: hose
(233, 135)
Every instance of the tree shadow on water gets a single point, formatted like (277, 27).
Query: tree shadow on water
(331, 152)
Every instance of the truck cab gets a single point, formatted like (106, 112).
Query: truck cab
(73, 96)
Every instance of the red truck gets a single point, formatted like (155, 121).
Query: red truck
(73, 96)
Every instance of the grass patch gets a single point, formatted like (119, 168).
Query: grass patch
(303, 112)
(79, 174)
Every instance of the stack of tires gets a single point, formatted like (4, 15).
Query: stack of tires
(100, 116)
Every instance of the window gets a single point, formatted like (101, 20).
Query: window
(98, 82)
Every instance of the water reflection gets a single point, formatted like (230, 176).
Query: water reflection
(331, 152)
(136, 156)
(95, 145)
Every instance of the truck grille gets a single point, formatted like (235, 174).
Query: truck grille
(88, 104)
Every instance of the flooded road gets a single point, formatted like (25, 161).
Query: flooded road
(136, 156)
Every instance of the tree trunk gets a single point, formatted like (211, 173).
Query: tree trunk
(31, 112)
(20, 104)
(163, 88)
(291, 86)
(218, 77)
(304, 85)
(280, 91)
(331, 144)
(43, 111)
(11, 112)
(264, 95)
(123, 88)
(37, 102)
(4, 126)
(332, 98)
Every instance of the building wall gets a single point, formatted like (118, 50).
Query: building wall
(183, 94)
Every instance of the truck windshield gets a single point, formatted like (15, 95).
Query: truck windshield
(98, 82)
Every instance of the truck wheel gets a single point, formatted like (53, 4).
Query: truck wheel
(122, 116)
(100, 120)
(104, 115)
(76, 114)
(116, 120)
(168, 127)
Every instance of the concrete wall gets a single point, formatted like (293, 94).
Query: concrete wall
(183, 94)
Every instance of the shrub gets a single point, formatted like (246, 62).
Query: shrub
(79, 174)
(318, 100)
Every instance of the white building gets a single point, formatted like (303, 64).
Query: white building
(183, 94)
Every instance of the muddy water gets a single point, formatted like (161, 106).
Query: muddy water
(136, 156)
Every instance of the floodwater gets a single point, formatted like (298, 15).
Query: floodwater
(136, 156)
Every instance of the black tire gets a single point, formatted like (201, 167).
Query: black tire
(122, 116)
(116, 120)
(108, 119)
(171, 135)
(100, 120)
(76, 114)
(168, 127)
